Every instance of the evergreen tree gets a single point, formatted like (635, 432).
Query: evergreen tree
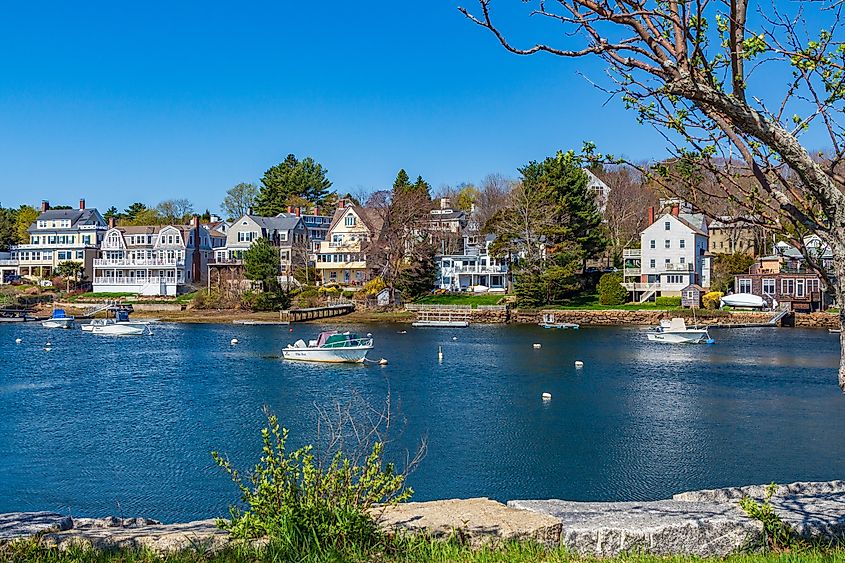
(8, 232)
(131, 212)
(418, 277)
(261, 263)
(423, 187)
(290, 179)
(402, 182)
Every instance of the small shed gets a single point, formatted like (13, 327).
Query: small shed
(691, 296)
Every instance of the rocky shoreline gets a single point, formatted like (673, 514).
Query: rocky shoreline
(701, 523)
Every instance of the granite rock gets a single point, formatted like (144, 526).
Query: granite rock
(14, 525)
(667, 527)
(203, 535)
(478, 521)
(801, 488)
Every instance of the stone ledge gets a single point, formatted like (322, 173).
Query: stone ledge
(24, 524)
(799, 488)
(479, 521)
(665, 527)
(161, 538)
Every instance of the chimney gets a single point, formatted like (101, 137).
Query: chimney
(82, 205)
(112, 222)
(196, 262)
(290, 209)
(298, 211)
(650, 216)
(676, 210)
(445, 203)
(45, 205)
(341, 203)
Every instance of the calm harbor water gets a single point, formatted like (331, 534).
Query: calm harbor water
(104, 425)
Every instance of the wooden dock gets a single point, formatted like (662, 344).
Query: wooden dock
(314, 313)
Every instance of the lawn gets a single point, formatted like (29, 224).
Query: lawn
(590, 302)
(101, 295)
(461, 299)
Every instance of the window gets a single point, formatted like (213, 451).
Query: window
(667, 243)
(683, 259)
(283, 237)
(333, 276)
(247, 236)
(812, 285)
(714, 245)
(337, 239)
(667, 225)
(667, 261)
(682, 243)
(652, 263)
(743, 285)
(651, 244)
(349, 221)
(800, 288)
(768, 286)
(787, 286)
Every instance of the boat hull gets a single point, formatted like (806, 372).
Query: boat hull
(120, 329)
(441, 324)
(57, 323)
(688, 337)
(346, 355)
(748, 300)
(572, 326)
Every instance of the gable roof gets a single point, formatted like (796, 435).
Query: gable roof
(682, 220)
(370, 217)
(278, 223)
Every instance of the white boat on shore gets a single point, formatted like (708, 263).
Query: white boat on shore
(676, 332)
(747, 300)
(58, 320)
(330, 347)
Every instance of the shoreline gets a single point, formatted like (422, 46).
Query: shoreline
(170, 313)
(703, 523)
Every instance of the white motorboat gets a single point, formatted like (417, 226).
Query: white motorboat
(748, 300)
(331, 347)
(58, 320)
(677, 333)
(118, 326)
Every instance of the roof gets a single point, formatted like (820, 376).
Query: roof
(693, 286)
(729, 221)
(279, 223)
(685, 219)
(78, 217)
(370, 217)
(445, 216)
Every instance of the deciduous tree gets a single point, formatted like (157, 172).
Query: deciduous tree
(693, 69)
(26, 216)
(175, 211)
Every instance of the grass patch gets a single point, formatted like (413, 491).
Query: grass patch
(590, 302)
(414, 549)
(460, 299)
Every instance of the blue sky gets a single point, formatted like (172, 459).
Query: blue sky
(120, 102)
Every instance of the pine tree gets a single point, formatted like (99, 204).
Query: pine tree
(402, 182)
(422, 186)
(289, 180)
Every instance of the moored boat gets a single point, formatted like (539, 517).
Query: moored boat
(58, 320)
(330, 347)
(747, 300)
(677, 333)
(118, 326)
(549, 321)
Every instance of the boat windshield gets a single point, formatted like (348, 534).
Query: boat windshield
(341, 340)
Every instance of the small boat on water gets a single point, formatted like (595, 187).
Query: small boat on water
(550, 322)
(676, 332)
(58, 320)
(835, 330)
(330, 347)
(120, 325)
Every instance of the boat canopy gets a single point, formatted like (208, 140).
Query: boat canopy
(337, 339)
(121, 316)
(59, 314)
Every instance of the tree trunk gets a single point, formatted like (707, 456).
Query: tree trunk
(838, 250)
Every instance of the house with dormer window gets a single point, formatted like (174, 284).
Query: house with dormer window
(153, 260)
(342, 257)
(60, 235)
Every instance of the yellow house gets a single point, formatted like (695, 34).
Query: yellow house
(342, 257)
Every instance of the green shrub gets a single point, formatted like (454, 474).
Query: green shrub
(348, 294)
(290, 497)
(666, 301)
(611, 291)
(265, 300)
(779, 534)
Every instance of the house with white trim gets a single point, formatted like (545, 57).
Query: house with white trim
(153, 260)
(60, 235)
(342, 258)
(475, 269)
(672, 255)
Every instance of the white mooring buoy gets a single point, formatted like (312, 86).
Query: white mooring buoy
(537, 346)
(234, 341)
(47, 348)
(547, 396)
(382, 362)
(579, 364)
(18, 340)
(440, 353)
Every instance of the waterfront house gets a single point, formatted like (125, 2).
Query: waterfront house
(672, 254)
(285, 232)
(60, 235)
(342, 258)
(444, 227)
(9, 268)
(473, 269)
(785, 277)
(600, 190)
(736, 234)
(153, 260)
(317, 227)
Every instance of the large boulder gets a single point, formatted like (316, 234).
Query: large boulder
(137, 534)
(15, 525)
(666, 527)
(479, 521)
(801, 488)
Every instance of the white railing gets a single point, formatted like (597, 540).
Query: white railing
(51, 246)
(474, 270)
(106, 262)
(137, 281)
(631, 253)
(627, 272)
(9, 262)
(637, 286)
